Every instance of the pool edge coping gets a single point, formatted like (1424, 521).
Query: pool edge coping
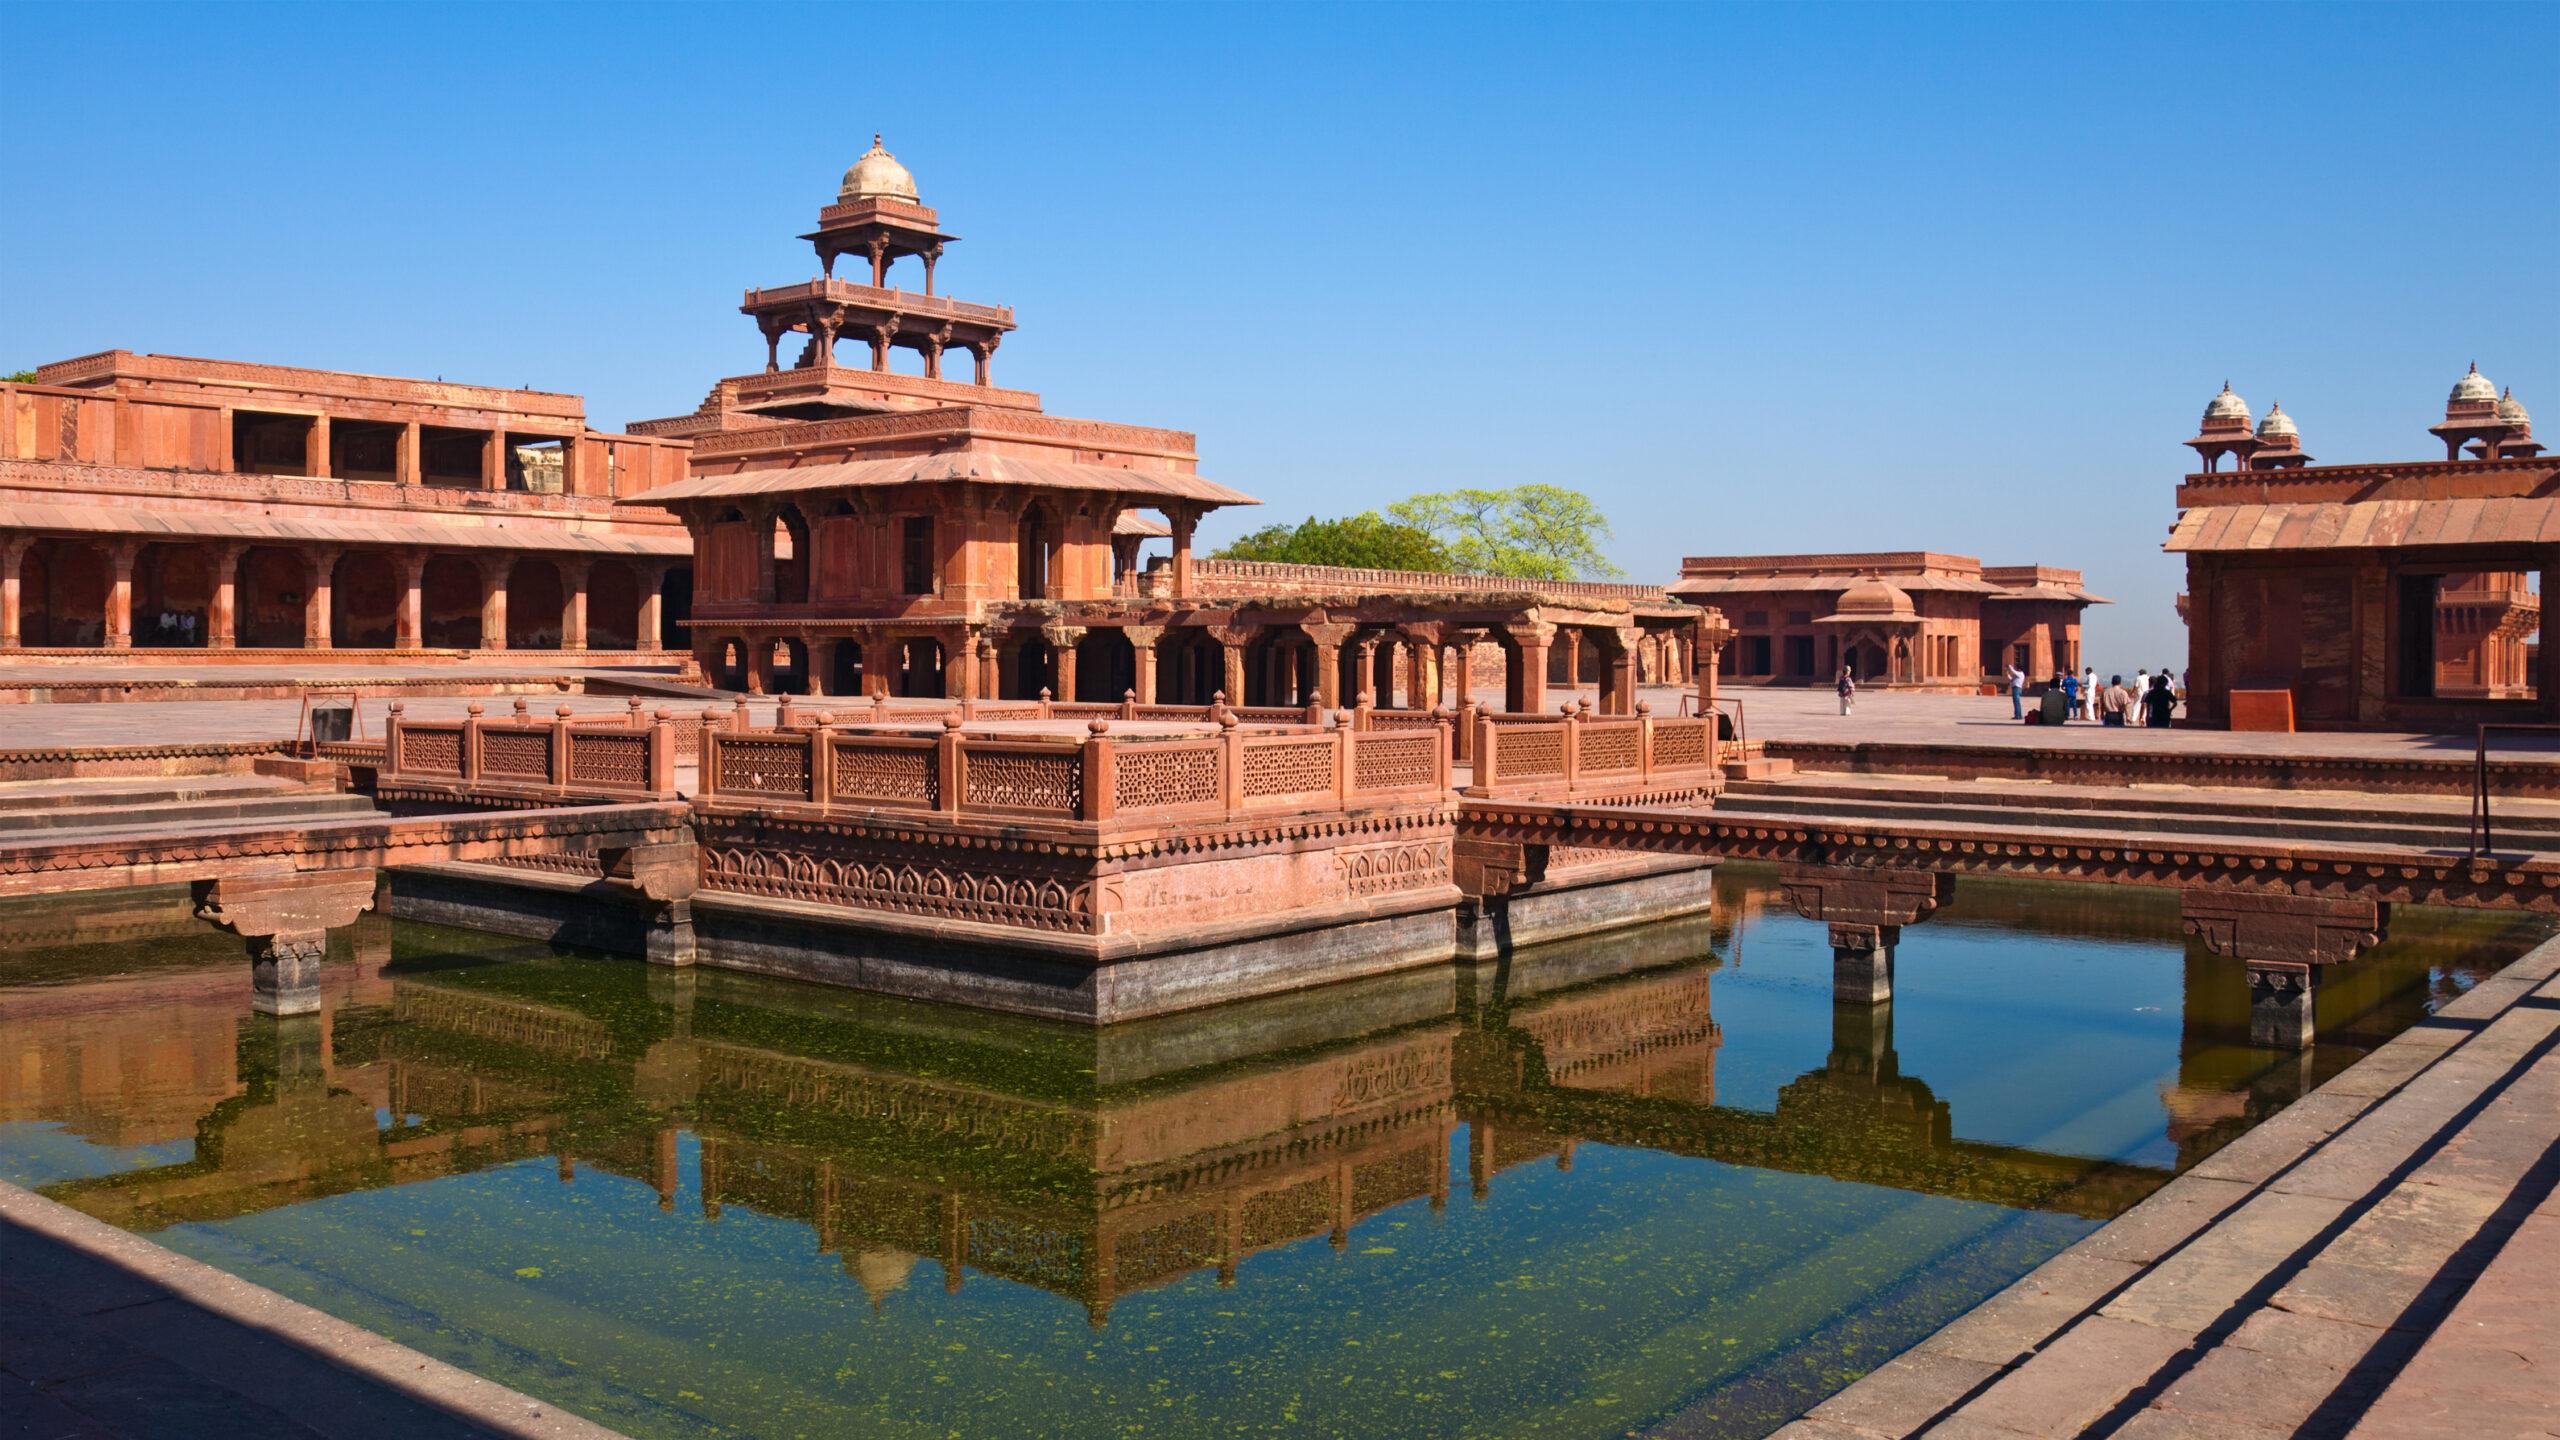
(366, 1355)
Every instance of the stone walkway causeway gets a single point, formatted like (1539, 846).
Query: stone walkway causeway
(2381, 1259)
(105, 1334)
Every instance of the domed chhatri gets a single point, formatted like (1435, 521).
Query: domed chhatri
(878, 176)
(1876, 598)
(2226, 406)
(2511, 410)
(2473, 388)
(2277, 425)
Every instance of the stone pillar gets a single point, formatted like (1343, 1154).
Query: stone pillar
(1466, 668)
(1184, 521)
(494, 570)
(318, 600)
(1621, 699)
(1328, 638)
(1526, 690)
(882, 337)
(573, 606)
(1573, 660)
(758, 653)
(119, 626)
(986, 353)
(1142, 640)
(315, 452)
(286, 919)
(2285, 940)
(409, 625)
(1233, 674)
(493, 461)
(13, 559)
(1367, 695)
(1062, 648)
(652, 580)
(222, 613)
(1862, 963)
(408, 462)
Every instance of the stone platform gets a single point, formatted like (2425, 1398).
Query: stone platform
(2374, 1261)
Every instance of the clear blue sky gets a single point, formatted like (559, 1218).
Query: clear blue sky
(1760, 279)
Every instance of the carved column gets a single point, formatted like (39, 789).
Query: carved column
(1063, 640)
(573, 605)
(1184, 520)
(985, 352)
(1142, 640)
(1866, 908)
(315, 448)
(934, 342)
(494, 570)
(666, 877)
(1526, 689)
(407, 463)
(1466, 666)
(1232, 640)
(883, 336)
(1573, 659)
(410, 609)
(493, 460)
(1328, 638)
(317, 599)
(648, 632)
(286, 920)
(2285, 940)
(1621, 699)
(1368, 652)
(222, 612)
(1422, 666)
(13, 559)
(119, 626)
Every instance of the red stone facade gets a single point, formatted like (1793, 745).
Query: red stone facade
(158, 506)
(1907, 619)
(2398, 595)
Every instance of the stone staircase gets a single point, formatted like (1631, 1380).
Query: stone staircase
(2418, 822)
(52, 810)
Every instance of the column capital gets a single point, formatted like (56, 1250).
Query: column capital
(1533, 633)
(1329, 635)
(1143, 637)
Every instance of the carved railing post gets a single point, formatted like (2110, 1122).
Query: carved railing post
(1230, 762)
(822, 761)
(1101, 800)
(471, 744)
(948, 761)
(558, 751)
(662, 754)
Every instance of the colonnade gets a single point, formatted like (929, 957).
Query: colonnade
(124, 592)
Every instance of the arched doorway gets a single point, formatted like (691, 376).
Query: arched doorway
(844, 668)
(172, 597)
(786, 666)
(449, 603)
(1031, 667)
(534, 599)
(1031, 540)
(613, 607)
(62, 587)
(1106, 667)
(791, 557)
(272, 588)
(724, 664)
(364, 602)
(675, 607)
(919, 674)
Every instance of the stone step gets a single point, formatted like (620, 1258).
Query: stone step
(66, 821)
(2429, 837)
(32, 795)
(2520, 816)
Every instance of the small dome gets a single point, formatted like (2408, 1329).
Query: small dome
(2226, 406)
(1874, 596)
(2278, 425)
(2474, 386)
(878, 176)
(2511, 410)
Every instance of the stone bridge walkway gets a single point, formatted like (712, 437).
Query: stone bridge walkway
(2376, 1261)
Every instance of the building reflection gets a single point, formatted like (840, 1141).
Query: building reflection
(1089, 1164)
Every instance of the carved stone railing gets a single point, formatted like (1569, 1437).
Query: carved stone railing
(1097, 777)
(560, 755)
(1520, 757)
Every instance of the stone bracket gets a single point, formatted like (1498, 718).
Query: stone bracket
(1868, 898)
(2269, 927)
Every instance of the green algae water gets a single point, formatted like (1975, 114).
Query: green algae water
(1652, 1184)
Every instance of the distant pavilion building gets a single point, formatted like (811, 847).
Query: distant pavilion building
(2403, 594)
(1912, 619)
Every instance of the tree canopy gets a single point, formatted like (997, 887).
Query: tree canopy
(1367, 541)
(1532, 532)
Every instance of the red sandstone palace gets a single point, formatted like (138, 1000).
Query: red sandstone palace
(1905, 619)
(2400, 594)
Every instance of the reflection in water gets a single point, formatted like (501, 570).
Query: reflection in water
(1248, 1210)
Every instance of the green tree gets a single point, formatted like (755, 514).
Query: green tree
(1532, 532)
(18, 377)
(1367, 541)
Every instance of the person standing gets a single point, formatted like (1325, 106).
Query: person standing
(1848, 690)
(2089, 694)
(2158, 703)
(2115, 703)
(2141, 687)
(2017, 692)
(2069, 685)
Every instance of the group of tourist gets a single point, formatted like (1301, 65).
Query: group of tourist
(2151, 701)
